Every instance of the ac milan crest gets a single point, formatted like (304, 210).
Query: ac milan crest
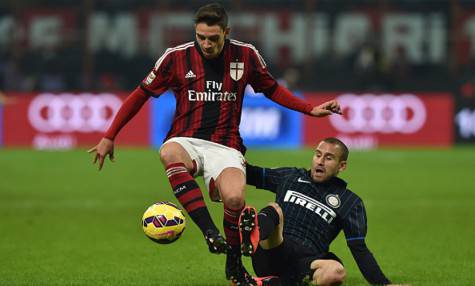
(236, 69)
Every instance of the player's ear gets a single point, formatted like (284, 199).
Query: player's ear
(227, 30)
(342, 166)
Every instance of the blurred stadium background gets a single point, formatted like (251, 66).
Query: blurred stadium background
(403, 70)
(424, 50)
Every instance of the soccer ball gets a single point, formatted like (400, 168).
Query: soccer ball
(163, 222)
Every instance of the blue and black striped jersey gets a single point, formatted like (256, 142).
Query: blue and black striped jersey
(314, 213)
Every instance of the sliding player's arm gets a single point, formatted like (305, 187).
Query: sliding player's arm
(355, 229)
(265, 178)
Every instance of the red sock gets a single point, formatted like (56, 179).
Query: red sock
(189, 195)
(231, 228)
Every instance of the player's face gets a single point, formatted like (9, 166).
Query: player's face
(211, 39)
(326, 162)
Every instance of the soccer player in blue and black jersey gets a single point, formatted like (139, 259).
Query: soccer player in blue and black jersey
(290, 238)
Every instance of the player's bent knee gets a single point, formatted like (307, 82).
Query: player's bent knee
(329, 273)
(279, 211)
(171, 153)
(233, 200)
(339, 275)
(330, 279)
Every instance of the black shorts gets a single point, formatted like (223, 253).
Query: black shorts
(290, 261)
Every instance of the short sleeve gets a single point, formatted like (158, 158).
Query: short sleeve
(261, 80)
(355, 224)
(160, 78)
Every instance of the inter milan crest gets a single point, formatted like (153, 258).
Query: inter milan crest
(333, 201)
(236, 69)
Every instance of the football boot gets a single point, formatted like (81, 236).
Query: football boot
(216, 242)
(248, 231)
(236, 272)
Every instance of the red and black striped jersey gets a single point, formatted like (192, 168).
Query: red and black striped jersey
(209, 93)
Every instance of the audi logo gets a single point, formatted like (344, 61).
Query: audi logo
(369, 113)
(72, 113)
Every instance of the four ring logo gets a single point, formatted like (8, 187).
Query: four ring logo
(73, 113)
(380, 113)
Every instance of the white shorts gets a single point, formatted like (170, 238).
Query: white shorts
(210, 159)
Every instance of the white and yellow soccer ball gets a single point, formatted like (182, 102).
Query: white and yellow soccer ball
(163, 222)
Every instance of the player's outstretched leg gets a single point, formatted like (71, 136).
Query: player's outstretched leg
(235, 270)
(180, 168)
(216, 242)
(248, 231)
(189, 195)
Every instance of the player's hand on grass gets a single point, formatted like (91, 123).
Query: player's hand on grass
(326, 108)
(101, 150)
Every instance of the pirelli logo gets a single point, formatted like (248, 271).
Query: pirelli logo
(326, 213)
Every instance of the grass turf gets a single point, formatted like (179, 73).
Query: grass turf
(64, 223)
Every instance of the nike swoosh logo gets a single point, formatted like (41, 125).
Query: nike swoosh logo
(303, 181)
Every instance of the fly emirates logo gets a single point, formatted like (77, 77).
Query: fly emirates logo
(212, 93)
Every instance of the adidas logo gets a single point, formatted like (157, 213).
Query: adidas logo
(190, 74)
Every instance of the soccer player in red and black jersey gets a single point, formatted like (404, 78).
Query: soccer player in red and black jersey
(208, 77)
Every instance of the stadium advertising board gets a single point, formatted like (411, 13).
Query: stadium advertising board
(267, 124)
(263, 122)
(372, 120)
(65, 120)
(465, 120)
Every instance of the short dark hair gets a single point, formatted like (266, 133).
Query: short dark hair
(212, 14)
(338, 142)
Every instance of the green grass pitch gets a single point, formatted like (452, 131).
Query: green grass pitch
(64, 223)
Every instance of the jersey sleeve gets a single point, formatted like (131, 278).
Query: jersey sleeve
(355, 224)
(265, 178)
(160, 78)
(355, 228)
(260, 79)
(131, 106)
(284, 97)
(367, 264)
